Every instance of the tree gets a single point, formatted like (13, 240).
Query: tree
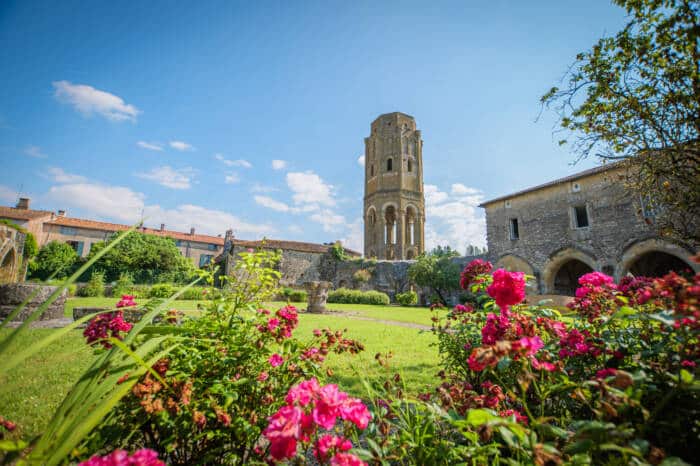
(437, 271)
(54, 259)
(147, 258)
(636, 97)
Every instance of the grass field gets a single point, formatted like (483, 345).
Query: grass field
(31, 392)
(416, 315)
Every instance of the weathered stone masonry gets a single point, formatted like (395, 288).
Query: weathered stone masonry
(588, 221)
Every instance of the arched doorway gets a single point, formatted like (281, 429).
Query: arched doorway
(658, 264)
(7, 267)
(566, 278)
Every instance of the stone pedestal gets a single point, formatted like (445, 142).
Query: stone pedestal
(317, 293)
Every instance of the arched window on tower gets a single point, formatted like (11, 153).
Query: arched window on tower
(389, 164)
(410, 166)
(371, 170)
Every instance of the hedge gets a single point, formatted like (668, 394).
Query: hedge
(344, 295)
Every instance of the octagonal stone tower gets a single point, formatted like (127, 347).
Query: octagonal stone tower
(394, 203)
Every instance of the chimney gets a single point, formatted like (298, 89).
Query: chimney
(23, 203)
(162, 227)
(61, 213)
(192, 231)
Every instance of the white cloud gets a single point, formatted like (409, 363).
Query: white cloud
(329, 220)
(181, 146)
(121, 204)
(233, 163)
(34, 151)
(460, 189)
(60, 176)
(7, 195)
(296, 229)
(261, 188)
(361, 160)
(310, 189)
(170, 177)
(354, 235)
(232, 178)
(270, 203)
(279, 164)
(150, 145)
(88, 100)
(454, 219)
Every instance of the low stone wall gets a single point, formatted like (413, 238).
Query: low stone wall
(13, 294)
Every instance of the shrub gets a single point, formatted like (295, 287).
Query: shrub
(124, 285)
(409, 298)
(210, 399)
(294, 296)
(198, 293)
(161, 290)
(95, 287)
(362, 276)
(54, 259)
(344, 295)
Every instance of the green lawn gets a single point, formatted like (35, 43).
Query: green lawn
(30, 393)
(416, 315)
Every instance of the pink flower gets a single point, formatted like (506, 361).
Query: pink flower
(143, 457)
(328, 404)
(472, 271)
(303, 393)
(355, 411)
(104, 326)
(462, 309)
(519, 417)
(263, 376)
(495, 328)
(530, 345)
(327, 443)
(544, 365)
(272, 324)
(605, 373)
(508, 288)
(126, 301)
(596, 279)
(346, 459)
(283, 431)
(688, 363)
(276, 360)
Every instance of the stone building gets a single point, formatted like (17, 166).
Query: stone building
(11, 249)
(394, 205)
(300, 263)
(81, 233)
(588, 221)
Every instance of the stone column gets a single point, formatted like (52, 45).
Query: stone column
(400, 235)
(420, 234)
(317, 293)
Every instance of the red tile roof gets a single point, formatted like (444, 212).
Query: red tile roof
(290, 245)
(105, 226)
(23, 214)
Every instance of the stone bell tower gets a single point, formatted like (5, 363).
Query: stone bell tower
(394, 203)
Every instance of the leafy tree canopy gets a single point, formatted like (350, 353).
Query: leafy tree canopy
(436, 271)
(636, 97)
(54, 258)
(147, 258)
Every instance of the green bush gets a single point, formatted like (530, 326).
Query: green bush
(292, 295)
(124, 285)
(161, 290)
(409, 298)
(344, 295)
(54, 259)
(95, 287)
(362, 276)
(198, 293)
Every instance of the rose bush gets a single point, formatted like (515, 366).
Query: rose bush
(614, 383)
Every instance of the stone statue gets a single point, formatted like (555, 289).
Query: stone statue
(317, 293)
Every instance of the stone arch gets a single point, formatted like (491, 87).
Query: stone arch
(563, 269)
(8, 266)
(655, 257)
(389, 164)
(412, 216)
(371, 216)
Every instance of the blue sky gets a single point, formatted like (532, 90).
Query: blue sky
(252, 115)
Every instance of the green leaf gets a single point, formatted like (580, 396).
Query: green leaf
(686, 377)
(581, 446)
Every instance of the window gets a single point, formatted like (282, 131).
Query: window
(580, 216)
(212, 247)
(410, 166)
(389, 165)
(180, 243)
(205, 259)
(371, 170)
(514, 231)
(77, 246)
(68, 231)
(649, 208)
